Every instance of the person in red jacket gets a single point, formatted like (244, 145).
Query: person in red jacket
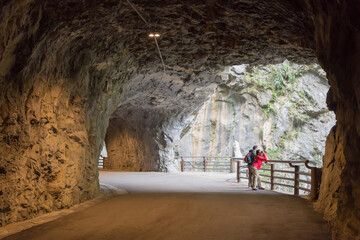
(259, 158)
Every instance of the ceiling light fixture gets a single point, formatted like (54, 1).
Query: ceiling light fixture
(154, 35)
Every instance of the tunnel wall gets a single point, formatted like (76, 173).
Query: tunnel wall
(55, 103)
(131, 147)
(337, 26)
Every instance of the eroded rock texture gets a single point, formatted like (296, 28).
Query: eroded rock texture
(280, 108)
(150, 117)
(337, 26)
(54, 108)
(65, 66)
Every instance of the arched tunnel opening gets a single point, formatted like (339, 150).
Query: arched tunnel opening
(72, 72)
(280, 107)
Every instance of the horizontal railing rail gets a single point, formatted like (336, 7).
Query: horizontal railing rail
(206, 164)
(314, 174)
(101, 162)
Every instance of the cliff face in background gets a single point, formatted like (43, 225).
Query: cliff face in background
(281, 108)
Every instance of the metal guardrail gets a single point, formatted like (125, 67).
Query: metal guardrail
(315, 175)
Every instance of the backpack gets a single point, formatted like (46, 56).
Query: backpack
(247, 158)
(252, 156)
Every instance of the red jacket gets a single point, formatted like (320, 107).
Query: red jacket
(258, 161)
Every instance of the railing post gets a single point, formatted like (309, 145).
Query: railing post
(204, 164)
(296, 180)
(105, 163)
(272, 176)
(231, 165)
(182, 164)
(248, 177)
(315, 182)
(238, 171)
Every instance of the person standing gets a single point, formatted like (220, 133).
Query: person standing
(259, 158)
(252, 153)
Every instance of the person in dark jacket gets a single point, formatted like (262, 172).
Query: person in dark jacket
(252, 157)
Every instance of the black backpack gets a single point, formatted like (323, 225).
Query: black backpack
(250, 157)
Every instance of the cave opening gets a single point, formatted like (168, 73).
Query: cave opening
(279, 107)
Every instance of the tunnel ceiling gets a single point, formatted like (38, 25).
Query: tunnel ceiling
(194, 34)
(196, 37)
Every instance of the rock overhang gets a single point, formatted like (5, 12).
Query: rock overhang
(195, 35)
(93, 50)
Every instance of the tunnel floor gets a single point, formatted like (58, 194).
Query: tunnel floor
(186, 206)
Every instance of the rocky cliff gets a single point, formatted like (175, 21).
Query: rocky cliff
(281, 108)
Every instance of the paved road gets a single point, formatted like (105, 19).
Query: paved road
(185, 206)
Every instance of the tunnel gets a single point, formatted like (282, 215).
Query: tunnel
(74, 74)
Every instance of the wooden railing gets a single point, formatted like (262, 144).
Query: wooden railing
(101, 162)
(314, 174)
(206, 164)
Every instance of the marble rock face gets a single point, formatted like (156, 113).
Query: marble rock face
(68, 66)
(246, 110)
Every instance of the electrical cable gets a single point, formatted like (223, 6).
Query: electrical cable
(157, 45)
(137, 12)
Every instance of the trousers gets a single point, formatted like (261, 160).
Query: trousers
(256, 181)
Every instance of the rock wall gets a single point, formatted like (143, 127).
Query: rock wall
(337, 26)
(261, 105)
(54, 108)
(143, 130)
(130, 150)
(64, 66)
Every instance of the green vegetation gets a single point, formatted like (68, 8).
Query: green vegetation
(269, 110)
(317, 155)
(286, 74)
(234, 109)
(298, 117)
(288, 136)
(185, 130)
(275, 153)
(279, 80)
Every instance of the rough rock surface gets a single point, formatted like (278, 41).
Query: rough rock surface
(63, 66)
(337, 35)
(245, 108)
(150, 117)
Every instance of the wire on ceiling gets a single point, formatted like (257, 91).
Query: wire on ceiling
(146, 22)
